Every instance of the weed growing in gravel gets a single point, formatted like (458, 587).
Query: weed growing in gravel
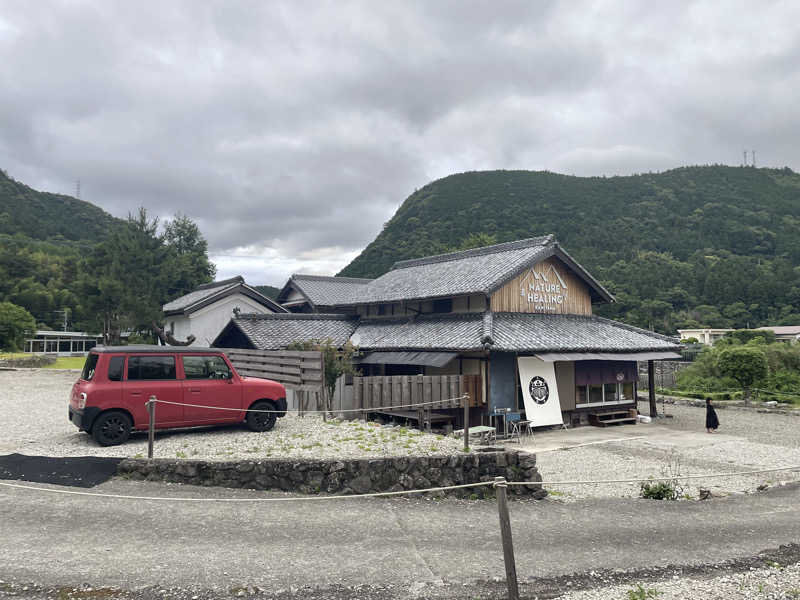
(669, 486)
(180, 454)
(642, 593)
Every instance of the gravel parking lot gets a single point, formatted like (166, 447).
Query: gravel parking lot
(35, 422)
(34, 408)
(747, 441)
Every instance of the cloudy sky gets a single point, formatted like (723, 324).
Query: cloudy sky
(291, 131)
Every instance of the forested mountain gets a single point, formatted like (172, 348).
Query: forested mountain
(268, 290)
(51, 217)
(65, 259)
(714, 246)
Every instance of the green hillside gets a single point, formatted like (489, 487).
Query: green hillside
(268, 290)
(62, 256)
(51, 217)
(714, 246)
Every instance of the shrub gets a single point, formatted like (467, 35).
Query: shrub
(15, 321)
(660, 490)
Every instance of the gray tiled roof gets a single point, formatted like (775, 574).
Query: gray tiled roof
(520, 332)
(276, 331)
(201, 293)
(477, 271)
(211, 292)
(326, 291)
(510, 332)
(437, 332)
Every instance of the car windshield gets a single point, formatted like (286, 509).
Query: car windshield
(89, 366)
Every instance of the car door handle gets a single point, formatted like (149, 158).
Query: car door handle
(194, 390)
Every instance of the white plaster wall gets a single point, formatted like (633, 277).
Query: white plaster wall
(207, 323)
(294, 295)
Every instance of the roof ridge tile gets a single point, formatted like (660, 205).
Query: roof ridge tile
(482, 251)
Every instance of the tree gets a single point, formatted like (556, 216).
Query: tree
(745, 336)
(337, 361)
(15, 321)
(187, 263)
(123, 278)
(746, 364)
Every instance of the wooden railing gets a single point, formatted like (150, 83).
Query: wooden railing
(401, 390)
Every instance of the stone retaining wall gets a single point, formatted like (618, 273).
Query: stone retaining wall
(347, 476)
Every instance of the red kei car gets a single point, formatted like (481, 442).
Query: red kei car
(109, 399)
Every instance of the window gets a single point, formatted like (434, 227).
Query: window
(151, 367)
(595, 393)
(443, 306)
(115, 367)
(205, 367)
(606, 393)
(89, 366)
(627, 391)
(580, 395)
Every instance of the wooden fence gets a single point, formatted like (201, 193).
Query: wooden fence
(301, 370)
(402, 390)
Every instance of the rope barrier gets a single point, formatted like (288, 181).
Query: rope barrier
(663, 478)
(666, 392)
(290, 499)
(345, 410)
(401, 493)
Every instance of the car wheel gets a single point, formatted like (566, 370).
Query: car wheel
(261, 421)
(112, 428)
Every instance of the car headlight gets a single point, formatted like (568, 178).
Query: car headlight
(82, 401)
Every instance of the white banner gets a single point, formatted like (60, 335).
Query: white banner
(537, 379)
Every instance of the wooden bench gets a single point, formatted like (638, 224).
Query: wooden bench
(613, 417)
(421, 417)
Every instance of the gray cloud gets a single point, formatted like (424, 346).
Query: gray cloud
(291, 131)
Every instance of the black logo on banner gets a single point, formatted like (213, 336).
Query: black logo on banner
(539, 390)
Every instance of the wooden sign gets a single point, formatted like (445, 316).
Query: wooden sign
(547, 287)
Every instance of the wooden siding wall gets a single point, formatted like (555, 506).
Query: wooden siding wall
(401, 390)
(576, 299)
(296, 369)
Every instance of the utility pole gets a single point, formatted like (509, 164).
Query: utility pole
(64, 312)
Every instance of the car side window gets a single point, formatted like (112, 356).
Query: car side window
(205, 367)
(115, 368)
(151, 367)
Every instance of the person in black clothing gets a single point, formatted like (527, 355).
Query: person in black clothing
(712, 422)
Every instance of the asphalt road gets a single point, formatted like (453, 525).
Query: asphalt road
(56, 540)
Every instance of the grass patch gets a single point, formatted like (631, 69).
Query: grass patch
(67, 362)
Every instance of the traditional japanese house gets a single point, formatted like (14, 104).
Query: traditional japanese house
(514, 320)
(318, 294)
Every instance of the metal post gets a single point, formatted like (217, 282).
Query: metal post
(505, 532)
(651, 387)
(465, 400)
(151, 434)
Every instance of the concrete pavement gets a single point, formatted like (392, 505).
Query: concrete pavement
(70, 540)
